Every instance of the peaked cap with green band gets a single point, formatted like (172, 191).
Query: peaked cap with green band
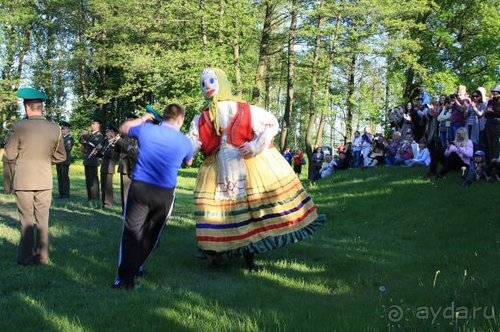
(223, 94)
(30, 93)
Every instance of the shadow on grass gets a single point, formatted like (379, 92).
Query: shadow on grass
(378, 233)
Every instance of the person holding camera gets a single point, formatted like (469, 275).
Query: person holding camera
(459, 104)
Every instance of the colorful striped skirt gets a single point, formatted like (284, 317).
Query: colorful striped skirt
(276, 211)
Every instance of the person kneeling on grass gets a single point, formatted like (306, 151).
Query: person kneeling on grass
(162, 150)
(478, 169)
(423, 157)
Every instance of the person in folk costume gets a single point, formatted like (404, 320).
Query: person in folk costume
(247, 197)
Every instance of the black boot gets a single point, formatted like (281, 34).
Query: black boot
(216, 259)
(250, 261)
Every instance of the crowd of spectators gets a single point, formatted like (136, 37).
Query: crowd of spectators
(457, 132)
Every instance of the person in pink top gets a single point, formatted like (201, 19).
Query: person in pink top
(458, 153)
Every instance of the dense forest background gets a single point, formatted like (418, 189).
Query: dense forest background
(325, 68)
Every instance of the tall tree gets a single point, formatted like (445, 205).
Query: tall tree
(312, 96)
(258, 96)
(290, 90)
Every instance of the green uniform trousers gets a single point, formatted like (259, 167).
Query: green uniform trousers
(33, 208)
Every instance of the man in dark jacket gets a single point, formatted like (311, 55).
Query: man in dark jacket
(63, 168)
(90, 143)
(127, 149)
(108, 167)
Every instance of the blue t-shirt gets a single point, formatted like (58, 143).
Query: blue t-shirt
(162, 149)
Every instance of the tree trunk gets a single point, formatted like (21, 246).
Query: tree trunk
(220, 35)
(312, 95)
(203, 31)
(234, 11)
(329, 80)
(236, 64)
(290, 90)
(22, 54)
(321, 128)
(410, 88)
(350, 96)
(259, 87)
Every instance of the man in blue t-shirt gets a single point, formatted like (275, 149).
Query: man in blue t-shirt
(163, 148)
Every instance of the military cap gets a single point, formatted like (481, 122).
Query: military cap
(111, 127)
(479, 153)
(96, 119)
(155, 114)
(31, 94)
(131, 115)
(64, 124)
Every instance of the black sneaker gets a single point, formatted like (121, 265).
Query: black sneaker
(122, 285)
(250, 262)
(200, 254)
(141, 273)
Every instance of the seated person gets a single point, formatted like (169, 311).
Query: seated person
(457, 154)
(317, 159)
(377, 154)
(328, 166)
(405, 152)
(478, 169)
(343, 161)
(423, 157)
(391, 148)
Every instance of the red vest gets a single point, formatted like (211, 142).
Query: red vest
(238, 131)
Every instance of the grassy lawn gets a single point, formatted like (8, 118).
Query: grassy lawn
(395, 243)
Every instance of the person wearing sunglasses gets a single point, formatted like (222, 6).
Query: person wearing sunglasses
(475, 111)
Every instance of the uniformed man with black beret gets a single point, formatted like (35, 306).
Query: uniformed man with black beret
(91, 143)
(34, 144)
(127, 149)
(108, 167)
(63, 168)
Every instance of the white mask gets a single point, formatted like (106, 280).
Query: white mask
(209, 83)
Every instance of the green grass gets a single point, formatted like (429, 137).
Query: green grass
(429, 244)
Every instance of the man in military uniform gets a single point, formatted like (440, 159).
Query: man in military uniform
(90, 143)
(127, 149)
(63, 168)
(34, 144)
(108, 167)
